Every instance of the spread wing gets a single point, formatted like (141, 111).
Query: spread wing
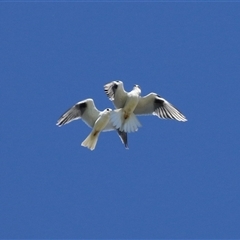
(156, 105)
(84, 110)
(116, 93)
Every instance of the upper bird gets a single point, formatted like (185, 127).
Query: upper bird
(123, 117)
(97, 120)
(147, 105)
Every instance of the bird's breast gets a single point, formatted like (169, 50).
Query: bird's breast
(131, 104)
(101, 122)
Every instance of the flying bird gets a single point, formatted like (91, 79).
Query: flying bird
(151, 104)
(123, 117)
(97, 120)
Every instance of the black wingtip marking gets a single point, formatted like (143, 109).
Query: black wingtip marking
(124, 138)
(158, 101)
(82, 107)
(110, 90)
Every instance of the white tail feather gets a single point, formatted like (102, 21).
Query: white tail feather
(116, 117)
(131, 124)
(90, 141)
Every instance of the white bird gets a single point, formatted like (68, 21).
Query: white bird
(97, 120)
(123, 118)
(151, 104)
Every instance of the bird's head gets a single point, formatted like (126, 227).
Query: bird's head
(118, 82)
(137, 87)
(108, 110)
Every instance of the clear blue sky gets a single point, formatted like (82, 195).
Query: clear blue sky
(177, 180)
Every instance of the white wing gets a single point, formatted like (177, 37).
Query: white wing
(84, 110)
(156, 105)
(116, 93)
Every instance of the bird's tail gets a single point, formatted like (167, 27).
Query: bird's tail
(130, 124)
(91, 140)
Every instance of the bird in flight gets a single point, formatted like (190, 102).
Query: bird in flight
(123, 117)
(151, 104)
(97, 120)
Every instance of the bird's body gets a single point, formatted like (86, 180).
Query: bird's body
(97, 120)
(124, 117)
(100, 124)
(131, 103)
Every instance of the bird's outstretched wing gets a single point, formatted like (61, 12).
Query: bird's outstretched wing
(156, 105)
(84, 110)
(116, 93)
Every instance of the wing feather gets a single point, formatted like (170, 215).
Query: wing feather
(156, 105)
(84, 110)
(116, 93)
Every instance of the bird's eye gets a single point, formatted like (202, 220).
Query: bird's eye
(108, 109)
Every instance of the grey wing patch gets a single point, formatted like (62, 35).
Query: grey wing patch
(166, 110)
(123, 137)
(73, 113)
(110, 90)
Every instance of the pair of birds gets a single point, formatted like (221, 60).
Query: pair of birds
(123, 119)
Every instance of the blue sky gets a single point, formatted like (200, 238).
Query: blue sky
(177, 180)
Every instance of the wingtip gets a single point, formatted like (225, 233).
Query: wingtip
(125, 144)
(184, 119)
(59, 123)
